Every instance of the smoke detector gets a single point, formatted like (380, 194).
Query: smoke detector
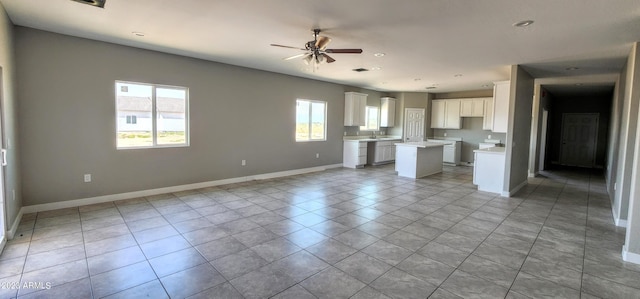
(96, 3)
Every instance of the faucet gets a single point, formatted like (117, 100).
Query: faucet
(373, 134)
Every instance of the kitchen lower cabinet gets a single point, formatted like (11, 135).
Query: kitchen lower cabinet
(354, 154)
(381, 152)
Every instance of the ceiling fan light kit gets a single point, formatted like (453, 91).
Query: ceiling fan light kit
(316, 50)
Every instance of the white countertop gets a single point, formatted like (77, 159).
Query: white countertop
(491, 150)
(423, 144)
(369, 139)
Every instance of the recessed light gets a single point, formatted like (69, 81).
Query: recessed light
(375, 68)
(523, 24)
(457, 75)
(137, 33)
(573, 68)
(96, 3)
(379, 54)
(485, 85)
(417, 79)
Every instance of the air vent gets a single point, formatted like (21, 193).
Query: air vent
(96, 3)
(360, 70)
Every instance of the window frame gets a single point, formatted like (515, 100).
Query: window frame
(154, 116)
(295, 135)
(366, 119)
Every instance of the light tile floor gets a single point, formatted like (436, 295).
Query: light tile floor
(335, 234)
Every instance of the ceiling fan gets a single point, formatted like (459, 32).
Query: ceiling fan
(316, 50)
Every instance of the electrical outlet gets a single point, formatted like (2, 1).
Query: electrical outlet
(243, 163)
(345, 133)
(13, 192)
(87, 178)
(489, 137)
(317, 155)
(615, 185)
(445, 135)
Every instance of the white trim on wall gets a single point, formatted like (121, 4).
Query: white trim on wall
(141, 193)
(630, 256)
(617, 220)
(14, 227)
(514, 190)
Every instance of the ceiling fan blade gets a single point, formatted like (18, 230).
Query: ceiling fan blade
(329, 58)
(344, 51)
(294, 56)
(322, 42)
(276, 45)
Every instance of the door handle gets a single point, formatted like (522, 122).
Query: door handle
(3, 153)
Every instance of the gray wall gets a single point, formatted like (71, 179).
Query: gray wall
(630, 86)
(11, 172)
(66, 88)
(519, 132)
(471, 133)
(411, 100)
(632, 241)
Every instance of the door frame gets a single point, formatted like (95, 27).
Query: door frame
(3, 208)
(543, 140)
(404, 125)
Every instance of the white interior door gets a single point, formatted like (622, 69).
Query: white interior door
(579, 134)
(413, 124)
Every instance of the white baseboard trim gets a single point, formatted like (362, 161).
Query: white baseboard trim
(149, 192)
(14, 227)
(630, 256)
(616, 218)
(514, 190)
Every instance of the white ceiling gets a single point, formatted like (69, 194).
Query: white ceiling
(425, 42)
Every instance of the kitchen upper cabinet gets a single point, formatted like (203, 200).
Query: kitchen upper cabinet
(445, 114)
(355, 105)
(452, 119)
(387, 112)
(472, 107)
(487, 121)
(501, 94)
(437, 113)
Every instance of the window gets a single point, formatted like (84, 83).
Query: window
(310, 120)
(372, 119)
(149, 115)
(132, 119)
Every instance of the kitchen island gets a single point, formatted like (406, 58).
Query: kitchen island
(418, 159)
